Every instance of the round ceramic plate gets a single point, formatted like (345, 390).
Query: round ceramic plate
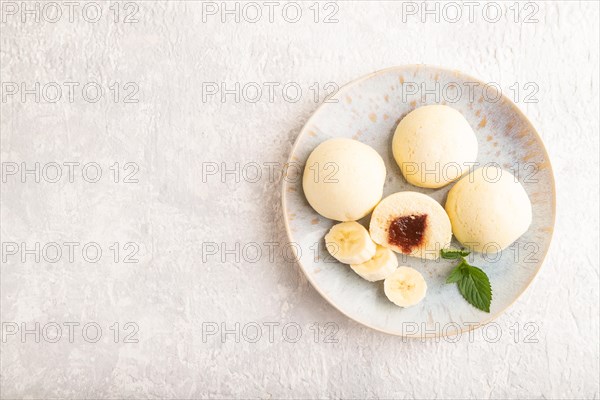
(368, 110)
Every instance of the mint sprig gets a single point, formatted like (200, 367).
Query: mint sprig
(473, 283)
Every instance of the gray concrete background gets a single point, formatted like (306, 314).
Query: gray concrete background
(162, 317)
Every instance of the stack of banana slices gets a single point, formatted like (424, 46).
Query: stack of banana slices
(350, 243)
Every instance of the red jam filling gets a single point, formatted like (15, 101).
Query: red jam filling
(407, 231)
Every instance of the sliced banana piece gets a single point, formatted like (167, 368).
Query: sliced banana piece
(350, 243)
(382, 265)
(405, 287)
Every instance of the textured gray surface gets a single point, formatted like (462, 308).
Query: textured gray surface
(172, 295)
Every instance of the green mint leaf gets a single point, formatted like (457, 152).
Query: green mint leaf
(475, 288)
(456, 274)
(453, 254)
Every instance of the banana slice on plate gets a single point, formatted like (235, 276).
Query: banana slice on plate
(382, 265)
(405, 287)
(350, 243)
